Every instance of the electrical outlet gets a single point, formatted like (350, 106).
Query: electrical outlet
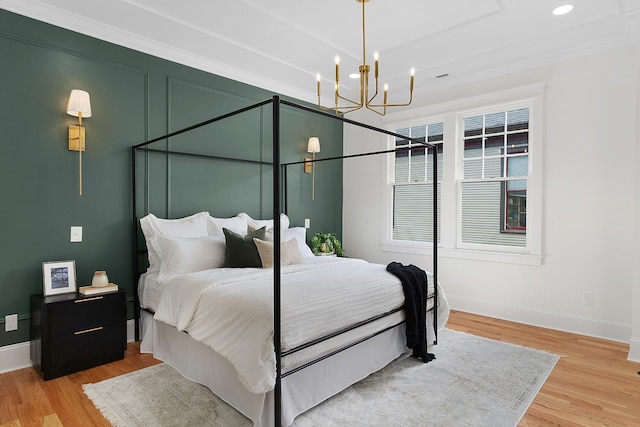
(11, 322)
(588, 298)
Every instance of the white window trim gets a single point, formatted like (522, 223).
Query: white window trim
(450, 245)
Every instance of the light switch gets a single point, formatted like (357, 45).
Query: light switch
(307, 223)
(76, 234)
(11, 322)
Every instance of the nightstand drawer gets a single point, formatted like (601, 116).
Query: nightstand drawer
(86, 345)
(69, 317)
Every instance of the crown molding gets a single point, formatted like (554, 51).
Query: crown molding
(62, 18)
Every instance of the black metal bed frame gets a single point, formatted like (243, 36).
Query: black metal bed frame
(279, 180)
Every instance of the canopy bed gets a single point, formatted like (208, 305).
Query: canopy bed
(272, 342)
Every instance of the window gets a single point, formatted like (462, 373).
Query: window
(412, 189)
(493, 190)
(489, 181)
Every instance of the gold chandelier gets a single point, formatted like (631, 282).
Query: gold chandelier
(349, 105)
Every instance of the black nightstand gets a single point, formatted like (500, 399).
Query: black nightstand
(72, 332)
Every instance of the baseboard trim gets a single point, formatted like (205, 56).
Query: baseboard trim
(18, 356)
(598, 328)
(634, 350)
(15, 356)
(131, 330)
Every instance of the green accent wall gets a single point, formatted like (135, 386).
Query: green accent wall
(134, 97)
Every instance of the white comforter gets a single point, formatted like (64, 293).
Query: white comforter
(231, 310)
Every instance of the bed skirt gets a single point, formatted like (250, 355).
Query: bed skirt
(301, 390)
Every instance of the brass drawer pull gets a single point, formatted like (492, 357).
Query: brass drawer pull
(87, 299)
(99, 328)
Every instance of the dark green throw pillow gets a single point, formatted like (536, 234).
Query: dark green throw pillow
(241, 251)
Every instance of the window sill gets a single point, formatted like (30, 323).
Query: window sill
(467, 254)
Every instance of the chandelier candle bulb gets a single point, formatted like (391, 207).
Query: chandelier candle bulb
(413, 72)
(376, 56)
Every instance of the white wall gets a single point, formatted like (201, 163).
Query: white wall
(589, 204)
(634, 351)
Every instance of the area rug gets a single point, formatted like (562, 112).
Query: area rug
(473, 381)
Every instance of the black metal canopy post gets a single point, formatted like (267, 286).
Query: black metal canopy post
(435, 244)
(285, 183)
(276, 261)
(136, 267)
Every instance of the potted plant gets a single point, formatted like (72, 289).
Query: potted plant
(326, 244)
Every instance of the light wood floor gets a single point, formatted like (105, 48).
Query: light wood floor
(592, 385)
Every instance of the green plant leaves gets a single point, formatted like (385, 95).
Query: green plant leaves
(326, 243)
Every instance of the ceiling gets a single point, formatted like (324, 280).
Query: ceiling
(280, 45)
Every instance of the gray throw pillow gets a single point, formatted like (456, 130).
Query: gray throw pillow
(241, 251)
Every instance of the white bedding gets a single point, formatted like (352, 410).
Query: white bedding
(230, 310)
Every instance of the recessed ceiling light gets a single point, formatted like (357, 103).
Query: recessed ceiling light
(561, 10)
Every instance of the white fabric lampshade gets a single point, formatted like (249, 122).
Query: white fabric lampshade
(79, 102)
(314, 145)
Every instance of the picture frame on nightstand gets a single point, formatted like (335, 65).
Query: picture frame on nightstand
(59, 277)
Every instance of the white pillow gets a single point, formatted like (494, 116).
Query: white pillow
(236, 224)
(259, 223)
(289, 253)
(190, 226)
(188, 255)
(300, 234)
(268, 234)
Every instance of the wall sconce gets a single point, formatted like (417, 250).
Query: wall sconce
(313, 147)
(79, 106)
